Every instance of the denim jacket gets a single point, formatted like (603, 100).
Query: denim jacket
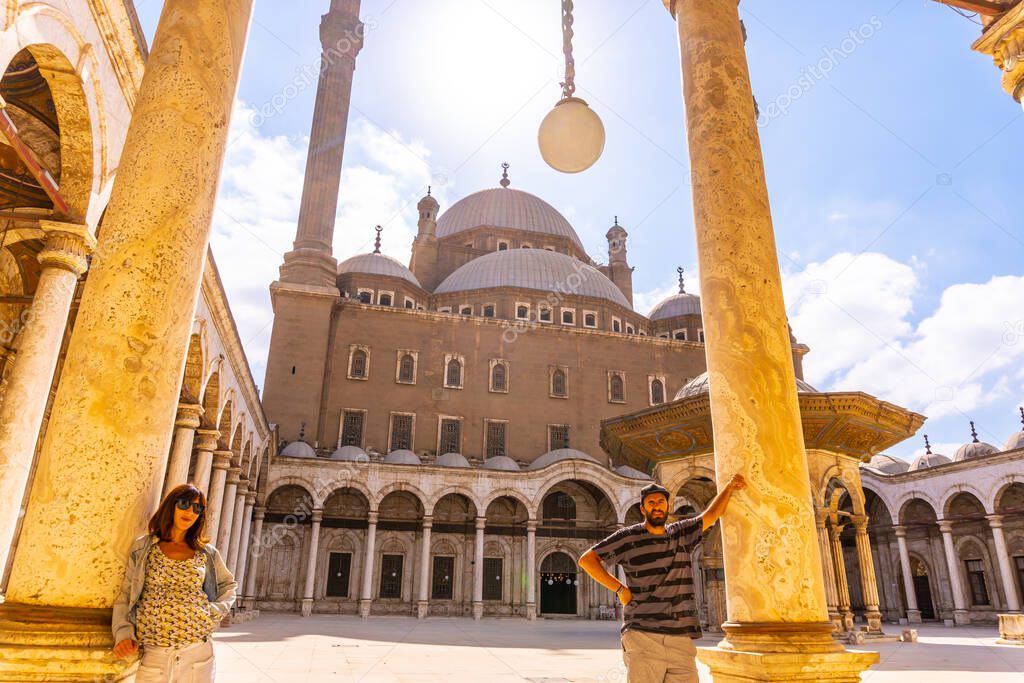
(219, 586)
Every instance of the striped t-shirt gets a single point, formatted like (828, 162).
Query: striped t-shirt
(658, 573)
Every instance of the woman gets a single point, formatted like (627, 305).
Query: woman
(176, 590)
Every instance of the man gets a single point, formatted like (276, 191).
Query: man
(660, 616)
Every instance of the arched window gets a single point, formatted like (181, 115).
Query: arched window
(545, 315)
(558, 383)
(657, 392)
(560, 506)
(453, 373)
(384, 300)
(499, 377)
(358, 365)
(489, 311)
(616, 391)
(406, 368)
(522, 312)
(366, 297)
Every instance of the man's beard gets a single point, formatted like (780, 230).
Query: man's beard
(657, 518)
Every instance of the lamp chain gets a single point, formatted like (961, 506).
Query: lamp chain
(569, 86)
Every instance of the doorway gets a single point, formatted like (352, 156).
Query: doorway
(558, 583)
(922, 589)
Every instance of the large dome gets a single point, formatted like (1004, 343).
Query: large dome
(377, 264)
(675, 305)
(540, 269)
(503, 207)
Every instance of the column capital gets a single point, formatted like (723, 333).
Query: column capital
(222, 460)
(66, 246)
(261, 511)
(481, 522)
(372, 516)
(531, 525)
(341, 34)
(995, 521)
(428, 521)
(899, 530)
(946, 526)
(206, 440)
(821, 516)
(317, 516)
(250, 497)
(1002, 40)
(860, 522)
(188, 415)
(835, 531)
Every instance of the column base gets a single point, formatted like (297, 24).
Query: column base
(960, 617)
(531, 611)
(914, 616)
(307, 606)
(874, 623)
(731, 666)
(847, 621)
(364, 608)
(422, 609)
(1011, 629)
(478, 610)
(58, 644)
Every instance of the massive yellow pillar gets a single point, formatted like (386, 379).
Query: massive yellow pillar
(103, 458)
(778, 626)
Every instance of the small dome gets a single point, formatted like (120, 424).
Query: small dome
(676, 305)
(377, 264)
(974, 449)
(539, 269)
(503, 207)
(451, 460)
(501, 462)
(350, 454)
(888, 464)
(699, 385)
(627, 471)
(402, 457)
(299, 449)
(551, 457)
(1014, 442)
(929, 460)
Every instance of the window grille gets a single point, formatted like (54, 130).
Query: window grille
(352, 428)
(401, 432)
(493, 576)
(391, 576)
(443, 578)
(558, 383)
(657, 392)
(495, 439)
(359, 363)
(499, 377)
(618, 392)
(558, 437)
(451, 436)
(453, 374)
(406, 367)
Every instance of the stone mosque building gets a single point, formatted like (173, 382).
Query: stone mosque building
(442, 438)
(455, 432)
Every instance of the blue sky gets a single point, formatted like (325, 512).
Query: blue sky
(892, 177)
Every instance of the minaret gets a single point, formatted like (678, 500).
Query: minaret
(311, 260)
(305, 297)
(424, 248)
(619, 270)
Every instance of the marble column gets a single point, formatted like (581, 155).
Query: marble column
(311, 562)
(236, 524)
(1005, 568)
(478, 569)
(254, 556)
(205, 444)
(423, 606)
(215, 497)
(842, 584)
(63, 260)
(913, 613)
(531, 569)
(227, 515)
(828, 571)
(960, 616)
(770, 530)
(341, 37)
(366, 593)
(868, 580)
(101, 467)
(185, 424)
(241, 563)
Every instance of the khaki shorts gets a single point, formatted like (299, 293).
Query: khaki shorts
(659, 658)
(191, 664)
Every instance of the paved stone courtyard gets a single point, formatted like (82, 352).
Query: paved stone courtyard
(285, 648)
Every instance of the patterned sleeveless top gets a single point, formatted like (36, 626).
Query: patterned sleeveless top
(173, 610)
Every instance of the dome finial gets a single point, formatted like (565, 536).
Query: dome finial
(302, 432)
(616, 221)
(504, 182)
(428, 190)
(927, 446)
(682, 282)
(974, 433)
(376, 242)
(1022, 415)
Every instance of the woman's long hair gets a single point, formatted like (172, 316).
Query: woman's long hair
(162, 521)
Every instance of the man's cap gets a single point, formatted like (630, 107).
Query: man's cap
(653, 488)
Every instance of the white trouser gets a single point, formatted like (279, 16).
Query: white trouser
(189, 664)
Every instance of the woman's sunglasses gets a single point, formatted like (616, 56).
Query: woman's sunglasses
(185, 504)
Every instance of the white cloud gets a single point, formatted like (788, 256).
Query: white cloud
(856, 315)
(258, 208)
